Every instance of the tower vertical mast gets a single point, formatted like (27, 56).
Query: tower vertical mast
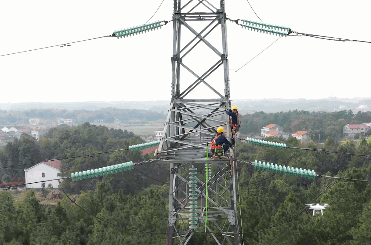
(197, 108)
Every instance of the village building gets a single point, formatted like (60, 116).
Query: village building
(35, 134)
(13, 129)
(302, 136)
(150, 150)
(5, 130)
(34, 121)
(270, 127)
(43, 171)
(159, 135)
(98, 121)
(351, 130)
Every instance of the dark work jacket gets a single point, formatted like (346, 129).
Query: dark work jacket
(233, 116)
(222, 140)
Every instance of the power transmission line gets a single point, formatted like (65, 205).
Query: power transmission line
(339, 39)
(58, 45)
(325, 176)
(87, 211)
(150, 177)
(258, 54)
(155, 11)
(36, 182)
(285, 31)
(269, 144)
(254, 11)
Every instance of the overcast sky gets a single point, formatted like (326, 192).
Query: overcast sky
(138, 68)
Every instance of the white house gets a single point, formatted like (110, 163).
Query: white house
(13, 129)
(43, 171)
(277, 134)
(301, 135)
(270, 127)
(68, 121)
(34, 121)
(5, 130)
(99, 121)
(159, 135)
(35, 134)
(355, 129)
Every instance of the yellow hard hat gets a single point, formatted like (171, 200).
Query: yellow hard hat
(234, 108)
(220, 130)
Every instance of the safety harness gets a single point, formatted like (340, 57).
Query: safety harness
(213, 145)
(236, 126)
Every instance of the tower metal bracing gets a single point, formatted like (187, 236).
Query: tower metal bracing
(191, 124)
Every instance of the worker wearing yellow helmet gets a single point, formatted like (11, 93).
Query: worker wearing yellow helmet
(220, 140)
(234, 118)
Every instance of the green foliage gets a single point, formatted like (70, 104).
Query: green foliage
(320, 125)
(276, 200)
(272, 204)
(362, 232)
(79, 116)
(31, 223)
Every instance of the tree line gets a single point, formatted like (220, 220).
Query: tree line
(79, 116)
(67, 144)
(319, 124)
(131, 208)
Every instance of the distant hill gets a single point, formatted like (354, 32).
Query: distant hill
(156, 106)
(327, 105)
(245, 106)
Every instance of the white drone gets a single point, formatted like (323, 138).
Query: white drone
(317, 207)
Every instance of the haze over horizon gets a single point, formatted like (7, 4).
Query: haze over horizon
(245, 105)
(138, 68)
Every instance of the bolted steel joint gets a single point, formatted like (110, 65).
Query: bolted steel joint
(174, 170)
(176, 58)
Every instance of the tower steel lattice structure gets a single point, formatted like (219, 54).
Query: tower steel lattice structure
(191, 124)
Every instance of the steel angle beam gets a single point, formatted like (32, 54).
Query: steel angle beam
(206, 74)
(195, 38)
(185, 150)
(201, 130)
(200, 145)
(193, 161)
(201, 80)
(201, 38)
(200, 117)
(191, 120)
(212, 29)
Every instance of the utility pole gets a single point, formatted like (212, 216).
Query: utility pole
(191, 124)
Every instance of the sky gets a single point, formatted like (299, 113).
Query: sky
(138, 68)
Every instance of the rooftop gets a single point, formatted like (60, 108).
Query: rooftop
(300, 133)
(355, 126)
(54, 163)
(270, 126)
(149, 150)
(273, 132)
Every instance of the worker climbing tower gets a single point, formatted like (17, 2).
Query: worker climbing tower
(202, 191)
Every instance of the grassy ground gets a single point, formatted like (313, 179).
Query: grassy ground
(143, 129)
(52, 197)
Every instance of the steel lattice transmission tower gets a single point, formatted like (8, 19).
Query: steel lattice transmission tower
(191, 125)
